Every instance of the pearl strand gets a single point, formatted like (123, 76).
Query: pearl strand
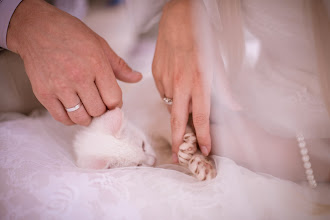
(305, 158)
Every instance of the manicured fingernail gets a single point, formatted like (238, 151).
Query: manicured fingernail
(204, 150)
(137, 73)
(174, 157)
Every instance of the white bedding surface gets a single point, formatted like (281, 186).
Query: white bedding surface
(39, 180)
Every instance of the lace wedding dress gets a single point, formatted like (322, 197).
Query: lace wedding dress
(260, 172)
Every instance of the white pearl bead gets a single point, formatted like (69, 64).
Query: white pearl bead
(300, 138)
(313, 185)
(309, 171)
(310, 177)
(302, 144)
(304, 151)
(307, 165)
(312, 181)
(305, 158)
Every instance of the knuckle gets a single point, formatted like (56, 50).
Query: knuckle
(101, 39)
(200, 120)
(166, 77)
(198, 73)
(178, 78)
(65, 121)
(97, 110)
(196, 83)
(155, 67)
(96, 62)
(42, 93)
(60, 86)
(81, 118)
(68, 122)
(114, 101)
(198, 78)
(57, 117)
(78, 78)
(61, 117)
(121, 63)
(75, 75)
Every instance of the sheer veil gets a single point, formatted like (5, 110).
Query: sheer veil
(275, 55)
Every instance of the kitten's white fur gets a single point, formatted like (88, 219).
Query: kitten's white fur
(111, 141)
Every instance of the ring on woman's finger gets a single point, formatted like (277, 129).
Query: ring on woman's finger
(74, 108)
(168, 101)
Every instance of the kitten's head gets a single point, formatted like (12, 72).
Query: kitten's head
(111, 141)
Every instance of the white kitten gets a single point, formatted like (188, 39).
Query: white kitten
(111, 141)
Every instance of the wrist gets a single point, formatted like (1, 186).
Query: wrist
(21, 20)
(178, 5)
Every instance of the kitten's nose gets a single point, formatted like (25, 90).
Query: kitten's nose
(150, 160)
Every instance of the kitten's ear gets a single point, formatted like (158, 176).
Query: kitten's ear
(113, 121)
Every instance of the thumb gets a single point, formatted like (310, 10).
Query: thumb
(120, 68)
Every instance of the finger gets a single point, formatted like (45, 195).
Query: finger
(167, 84)
(179, 118)
(201, 105)
(92, 100)
(79, 116)
(168, 89)
(109, 89)
(160, 87)
(120, 68)
(159, 67)
(52, 104)
(57, 111)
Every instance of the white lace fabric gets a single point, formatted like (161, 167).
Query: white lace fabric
(39, 180)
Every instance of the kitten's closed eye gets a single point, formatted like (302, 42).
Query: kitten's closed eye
(143, 146)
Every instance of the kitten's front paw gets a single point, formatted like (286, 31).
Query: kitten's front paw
(187, 149)
(201, 167)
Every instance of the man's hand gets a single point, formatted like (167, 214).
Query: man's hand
(67, 62)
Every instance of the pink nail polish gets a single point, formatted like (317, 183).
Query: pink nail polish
(174, 157)
(204, 150)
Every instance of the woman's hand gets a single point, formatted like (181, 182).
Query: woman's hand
(67, 62)
(178, 75)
